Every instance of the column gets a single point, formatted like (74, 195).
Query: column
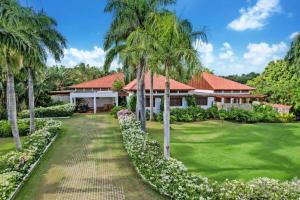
(231, 100)
(241, 100)
(184, 102)
(95, 103)
(117, 100)
(222, 100)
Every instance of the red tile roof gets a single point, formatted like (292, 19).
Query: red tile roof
(279, 105)
(159, 84)
(103, 82)
(206, 81)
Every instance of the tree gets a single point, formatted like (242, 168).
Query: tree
(174, 48)
(293, 55)
(130, 15)
(243, 78)
(17, 42)
(49, 39)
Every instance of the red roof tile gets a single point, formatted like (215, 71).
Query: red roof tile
(206, 81)
(103, 82)
(279, 105)
(159, 84)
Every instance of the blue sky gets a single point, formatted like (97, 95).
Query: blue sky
(243, 35)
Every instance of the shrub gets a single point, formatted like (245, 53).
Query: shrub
(52, 111)
(14, 165)
(191, 100)
(132, 102)
(23, 125)
(115, 110)
(171, 178)
(189, 114)
(286, 117)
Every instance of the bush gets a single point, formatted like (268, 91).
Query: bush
(132, 102)
(171, 178)
(52, 111)
(115, 110)
(15, 164)
(23, 125)
(189, 114)
(191, 100)
(286, 117)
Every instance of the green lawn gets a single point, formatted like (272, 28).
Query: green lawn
(7, 144)
(235, 151)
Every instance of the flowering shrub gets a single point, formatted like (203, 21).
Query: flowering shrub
(15, 164)
(171, 178)
(52, 111)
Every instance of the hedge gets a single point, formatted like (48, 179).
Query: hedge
(171, 177)
(23, 125)
(14, 165)
(259, 114)
(52, 111)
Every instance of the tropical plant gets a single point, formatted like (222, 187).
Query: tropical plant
(50, 40)
(17, 41)
(130, 15)
(174, 47)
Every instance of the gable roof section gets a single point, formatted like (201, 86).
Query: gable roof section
(158, 84)
(103, 82)
(206, 81)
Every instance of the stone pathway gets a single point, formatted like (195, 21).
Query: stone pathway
(87, 162)
(84, 178)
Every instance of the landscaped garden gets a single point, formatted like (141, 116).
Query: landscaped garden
(228, 150)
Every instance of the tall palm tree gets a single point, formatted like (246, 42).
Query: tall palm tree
(175, 47)
(49, 39)
(130, 15)
(16, 43)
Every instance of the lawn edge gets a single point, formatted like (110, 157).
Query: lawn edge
(31, 169)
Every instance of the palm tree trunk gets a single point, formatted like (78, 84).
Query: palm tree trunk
(167, 116)
(31, 100)
(11, 108)
(141, 95)
(151, 95)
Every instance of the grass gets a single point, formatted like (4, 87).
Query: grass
(8, 144)
(76, 165)
(235, 151)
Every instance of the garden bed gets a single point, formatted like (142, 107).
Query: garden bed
(171, 177)
(16, 165)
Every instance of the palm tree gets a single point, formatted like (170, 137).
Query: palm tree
(49, 39)
(175, 47)
(17, 42)
(130, 15)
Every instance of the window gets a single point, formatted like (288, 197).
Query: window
(227, 100)
(201, 101)
(218, 91)
(175, 101)
(148, 102)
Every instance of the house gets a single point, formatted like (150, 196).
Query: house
(208, 89)
(280, 108)
(211, 89)
(98, 94)
(178, 91)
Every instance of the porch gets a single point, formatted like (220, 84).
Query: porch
(96, 100)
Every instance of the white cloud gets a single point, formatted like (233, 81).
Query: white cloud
(226, 52)
(255, 57)
(293, 35)
(74, 56)
(255, 17)
(205, 51)
(262, 53)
